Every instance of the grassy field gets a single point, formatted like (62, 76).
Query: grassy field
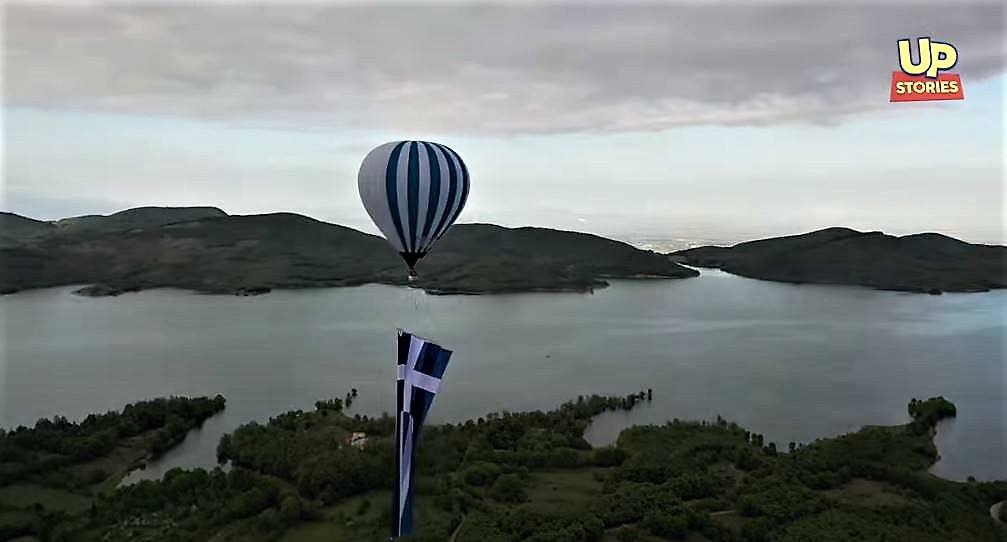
(560, 489)
(361, 518)
(18, 495)
(319, 530)
(112, 468)
(871, 493)
(730, 519)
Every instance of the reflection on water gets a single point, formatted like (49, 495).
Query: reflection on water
(792, 362)
(193, 452)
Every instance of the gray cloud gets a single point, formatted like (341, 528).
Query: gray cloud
(482, 69)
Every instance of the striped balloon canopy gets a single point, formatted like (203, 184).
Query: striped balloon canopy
(413, 191)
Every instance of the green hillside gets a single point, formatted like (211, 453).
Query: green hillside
(206, 250)
(926, 262)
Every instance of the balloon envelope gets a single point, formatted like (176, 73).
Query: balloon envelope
(413, 191)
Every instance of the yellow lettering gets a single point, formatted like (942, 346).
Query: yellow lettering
(943, 57)
(906, 57)
(931, 87)
(918, 87)
(900, 87)
(954, 86)
(942, 87)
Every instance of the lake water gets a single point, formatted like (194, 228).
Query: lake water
(792, 362)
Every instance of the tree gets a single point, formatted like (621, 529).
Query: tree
(291, 509)
(628, 534)
(335, 404)
(481, 474)
(508, 488)
(609, 456)
(667, 525)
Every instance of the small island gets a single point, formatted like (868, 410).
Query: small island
(209, 251)
(923, 263)
(326, 475)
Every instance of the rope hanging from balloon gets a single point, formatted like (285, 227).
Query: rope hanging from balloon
(414, 192)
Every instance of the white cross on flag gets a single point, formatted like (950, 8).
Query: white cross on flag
(421, 365)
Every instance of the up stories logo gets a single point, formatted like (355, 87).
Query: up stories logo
(922, 80)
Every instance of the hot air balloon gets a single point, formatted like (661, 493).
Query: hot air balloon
(413, 191)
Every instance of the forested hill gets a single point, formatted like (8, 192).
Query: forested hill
(204, 249)
(926, 262)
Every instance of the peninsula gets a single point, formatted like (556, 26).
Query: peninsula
(926, 262)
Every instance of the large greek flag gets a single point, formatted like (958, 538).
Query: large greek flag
(421, 365)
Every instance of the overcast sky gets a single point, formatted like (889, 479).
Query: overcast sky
(732, 120)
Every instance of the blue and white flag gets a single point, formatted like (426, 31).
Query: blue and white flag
(421, 366)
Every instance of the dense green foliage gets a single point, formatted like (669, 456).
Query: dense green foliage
(56, 443)
(303, 448)
(56, 468)
(207, 250)
(513, 477)
(194, 505)
(926, 414)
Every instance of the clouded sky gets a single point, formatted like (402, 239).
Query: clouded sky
(730, 120)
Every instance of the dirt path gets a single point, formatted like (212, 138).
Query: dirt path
(454, 535)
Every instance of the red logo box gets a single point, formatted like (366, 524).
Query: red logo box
(918, 88)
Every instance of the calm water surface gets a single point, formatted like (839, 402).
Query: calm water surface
(792, 362)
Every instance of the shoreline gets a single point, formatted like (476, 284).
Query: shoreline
(100, 290)
(908, 290)
(847, 475)
(104, 289)
(603, 443)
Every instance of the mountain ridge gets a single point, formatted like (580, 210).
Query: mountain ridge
(214, 252)
(923, 262)
(208, 250)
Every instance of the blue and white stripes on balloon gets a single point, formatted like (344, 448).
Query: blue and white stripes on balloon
(413, 191)
(421, 365)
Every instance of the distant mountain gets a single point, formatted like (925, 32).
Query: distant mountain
(140, 217)
(926, 262)
(204, 249)
(14, 228)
